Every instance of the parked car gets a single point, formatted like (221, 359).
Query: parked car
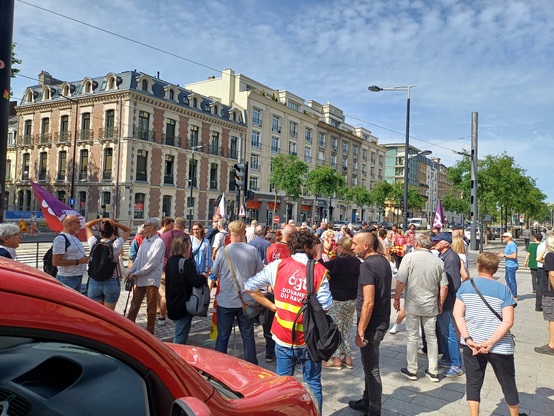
(62, 353)
(467, 233)
(387, 225)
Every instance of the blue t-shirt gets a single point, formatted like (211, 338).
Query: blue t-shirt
(511, 248)
(481, 322)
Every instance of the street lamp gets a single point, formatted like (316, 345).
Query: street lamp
(72, 190)
(193, 161)
(375, 88)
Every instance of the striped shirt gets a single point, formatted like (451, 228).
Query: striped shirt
(481, 322)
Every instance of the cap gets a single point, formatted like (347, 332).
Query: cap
(507, 235)
(442, 237)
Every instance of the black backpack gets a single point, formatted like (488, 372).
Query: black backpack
(47, 265)
(321, 334)
(101, 264)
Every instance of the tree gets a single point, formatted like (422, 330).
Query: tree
(360, 196)
(15, 61)
(380, 193)
(287, 173)
(323, 181)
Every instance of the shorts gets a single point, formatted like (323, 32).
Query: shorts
(107, 291)
(548, 308)
(161, 289)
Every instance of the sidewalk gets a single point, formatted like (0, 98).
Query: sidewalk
(534, 372)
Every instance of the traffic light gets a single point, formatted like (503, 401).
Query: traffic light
(241, 175)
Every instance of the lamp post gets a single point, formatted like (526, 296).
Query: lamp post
(375, 88)
(193, 160)
(72, 189)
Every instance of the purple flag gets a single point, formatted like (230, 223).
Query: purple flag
(439, 220)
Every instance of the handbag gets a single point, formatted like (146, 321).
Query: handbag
(250, 309)
(490, 307)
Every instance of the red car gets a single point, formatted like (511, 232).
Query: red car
(63, 354)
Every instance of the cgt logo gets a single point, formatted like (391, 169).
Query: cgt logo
(297, 281)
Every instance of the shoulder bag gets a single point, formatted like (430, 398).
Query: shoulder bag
(250, 309)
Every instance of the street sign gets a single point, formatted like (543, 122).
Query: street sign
(242, 213)
(71, 201)
(276, 219)
(22, 226)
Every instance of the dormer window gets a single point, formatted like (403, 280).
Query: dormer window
(171, 95)
(195, 102)
(65, 90)
(29, 96)
(87, 89)
(46, 94)
(112, 83)
(216, 110)
(144, 85)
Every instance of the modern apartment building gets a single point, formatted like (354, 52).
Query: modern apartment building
(279, 121)
(127, 145)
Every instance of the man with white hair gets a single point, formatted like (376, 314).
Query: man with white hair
(146, 272)
(10, 238)
(250, 234)
(260, 242)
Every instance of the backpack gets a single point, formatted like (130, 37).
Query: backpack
(199, 300)
(101, 264)
(47, 265)
(321, 334)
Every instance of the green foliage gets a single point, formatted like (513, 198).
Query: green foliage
(287, 173)
(380, 193)
(415, 200)
(323, 181)
(15, 62)
(360, 196)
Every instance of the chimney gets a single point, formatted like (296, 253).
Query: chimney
(44, 78)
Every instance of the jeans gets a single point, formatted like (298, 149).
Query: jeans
(511, 280)
(412, 329)
(370, 361)
(311, 370)
(225, 319)
(182, 329)
(450, 347)
(107, 291)
(74, 282)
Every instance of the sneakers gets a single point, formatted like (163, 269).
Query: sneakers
(453, 372)
(394, 329)
(269, 359)
(421, 351)
(433, 377)
(408, 375)
(161, 321)
(444, 363)
(545, 349)
(358, 405)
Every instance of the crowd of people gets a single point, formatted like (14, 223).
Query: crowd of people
(353, 280)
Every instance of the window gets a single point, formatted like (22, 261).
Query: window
(8, 171)
(143, 125)
(255, 162)
(138, 207)
(168, 170)
(322, 139)
(42, 166)
(64, 128)
(62, 165)
(85, 127)
(334, 144)
(170, 132)
(334, 161)
(193, 136)
(106, 201)
(345, 147)
(292, 148)
(276, 124)
(293, 105)
(192, 201)
(293, 129)
(256, 140)
(214, 145)
(321, 157)
(233, 150)
(195, 102)
(171, 95)
(308, 154)
(275, 144)
(256, 116)
(355, 151)
(166, 206)
(45, 130)
(82, 203)
(144, 85)
(364, 154)
(61, 196)
(83, 165)
(213, 176)
(192, 172)
(25, 166)
(308, 135)
(254, 183)
(107, 163)
(372, 157)
(142, 165)
(110, 123)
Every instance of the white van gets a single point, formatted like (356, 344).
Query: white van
(420, 223)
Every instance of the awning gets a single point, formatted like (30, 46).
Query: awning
(305, 207)
(253, 204)
(271, 206)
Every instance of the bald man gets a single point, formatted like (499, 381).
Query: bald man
(71, 262)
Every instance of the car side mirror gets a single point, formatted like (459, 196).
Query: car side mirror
(189, 406)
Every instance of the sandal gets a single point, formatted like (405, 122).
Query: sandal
(348, 365)
(330, 365)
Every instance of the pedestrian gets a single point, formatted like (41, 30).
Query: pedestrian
(71, 262)
(288, 278)
(329, 245)
(250, 231)
(344, 271)
(146, 273)
(527, 236)
(484, 314)
(219, 239)
(201, 249)
(135, 244)
(410, 238)
(10, 238)
(531, 262)
(214, 229)
(460, 248)
(234, 265)
(451, 357)
(106, 292)
(373, 308)
(510, 255)
(179, 282)
(34, 224)
(542, 275)
(398, 248)
(259, 242)
(548, 296)
(421, 276)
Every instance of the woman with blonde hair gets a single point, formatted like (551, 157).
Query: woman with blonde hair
(344, 271)
(459, 247)
(329, 245)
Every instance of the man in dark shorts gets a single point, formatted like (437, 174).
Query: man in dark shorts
(548, 296)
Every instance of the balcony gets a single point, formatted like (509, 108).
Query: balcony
(344, 170)
(334, 148)
(275, 149)
(143, 134)
(320, 161)
(44, 138)
(216, 150)
(85, 135)
(276, 129)
(307, 158)
(233, 154)
(293, 152)
(334, 165)
(83, 175)
(254, 167)
(213, 184)
(168, 180)
(106, 174)
(322, 143)
(42, 175)
(28, 140)
(108, 133)
(61, 176)
(256, 145)
(170, 140)
(257, 122)
(62, 137)
(194, 182)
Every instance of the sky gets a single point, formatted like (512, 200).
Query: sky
(491, 57)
